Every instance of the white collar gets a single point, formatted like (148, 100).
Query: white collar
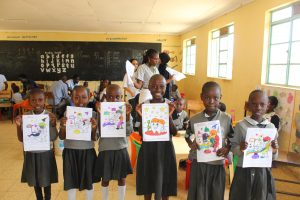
(253, 122)
(39, 114)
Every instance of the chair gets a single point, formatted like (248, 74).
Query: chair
(49, 102)
(194, 106)
(5, 97)
(136, 142)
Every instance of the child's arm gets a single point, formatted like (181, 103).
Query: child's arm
(238, 145)
(62, 129)
(173, 129)
(129, 91)
(225, 150)
(53, 129)
(94, 129)
(18, 121)
(275, 146)
(189, 132)
(129, 127)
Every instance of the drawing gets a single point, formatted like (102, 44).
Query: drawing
(78, 125)
(36, 136)
(155, 122)
(209, 140)
(259, 151)
(113, 119)
(285, 108)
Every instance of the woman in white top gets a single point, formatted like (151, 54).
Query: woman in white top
(130, 90)
(145, 72)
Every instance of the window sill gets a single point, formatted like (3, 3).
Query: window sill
(228, 79)
(281, 86)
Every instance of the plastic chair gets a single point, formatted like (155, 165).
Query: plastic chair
(135, 147)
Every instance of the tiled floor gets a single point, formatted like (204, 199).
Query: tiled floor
(11, 166)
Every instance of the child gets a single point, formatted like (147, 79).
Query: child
(175, 94)
(86, 85)
(271, 115)
(252, 183)
(78, 156)
(180, 117)
(102, 89)
(113, 161)
(207, 180)
(39, 167)
(156, 162)
(16, 97)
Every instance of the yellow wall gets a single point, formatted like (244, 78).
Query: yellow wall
(249, 28)
(170, 43)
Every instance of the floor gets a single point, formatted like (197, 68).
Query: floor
(11, 166)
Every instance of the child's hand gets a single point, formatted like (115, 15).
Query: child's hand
(52, 119)
(185, 125)
(193, 145)
(63, 122)
(171, 108)
(274, 145)
(243, 146)
(98, 107)
(94, 123)
(128, 108)
(138, 109)
(223, 152)
(18, 120)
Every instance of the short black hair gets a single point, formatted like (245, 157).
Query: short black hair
(155, 76)
(132, 59)
(258, 91)
(34, 91)
(15, 88)
(77, 87)
(149, 53)
(222, 107)
(273, 101)
(23, 76)
(208, 85)
(75, 76)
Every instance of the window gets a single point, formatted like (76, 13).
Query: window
(221, 53)
(189, 56)
(284, 46)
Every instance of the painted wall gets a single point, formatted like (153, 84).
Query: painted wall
(250, 28)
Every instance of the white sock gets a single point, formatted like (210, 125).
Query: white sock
(104, 193)
(89, 194)
(121, 192)
(72, 194)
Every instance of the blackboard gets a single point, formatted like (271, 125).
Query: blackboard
(49, 60)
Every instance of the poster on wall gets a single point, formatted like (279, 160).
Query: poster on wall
(296, 143)
(259, 150)
(285, 108)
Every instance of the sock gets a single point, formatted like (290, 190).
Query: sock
(38, 193)
(47, 192)
(121, 192)
(72, 194)
(89, 194)
(104, 193)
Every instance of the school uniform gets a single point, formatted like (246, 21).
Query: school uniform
(250, 183)
(274, 119)
(113, 162)
(2, 81)
(78, 164)
(156, 168)
(179, 119)
(207, 180)
(39, 167)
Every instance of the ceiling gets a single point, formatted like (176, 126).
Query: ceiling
(112, 16)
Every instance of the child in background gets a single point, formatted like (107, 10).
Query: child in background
(86, 85)
(180, 116)
(113, 161)
(252, 183)
(271, 115)
(156, 162)
(78, 156)
(102, 89)
(39, 167)
(207, 180)
(16, 97)
(222, 107)
(175, 94)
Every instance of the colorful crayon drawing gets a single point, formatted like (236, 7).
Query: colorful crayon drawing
(36, 135)
(259, 150)
(209, 140)
(78, 125)
(155, 122)
(113, 119)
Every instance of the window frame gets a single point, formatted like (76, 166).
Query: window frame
(186, 57)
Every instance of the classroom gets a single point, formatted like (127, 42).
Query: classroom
(242, 50)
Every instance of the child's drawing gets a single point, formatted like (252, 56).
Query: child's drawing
(113, 119)
(155, 122)
(36, 132)
(78, 125)
(209, 140)
(259, 150)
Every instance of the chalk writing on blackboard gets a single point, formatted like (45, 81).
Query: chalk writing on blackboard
(56, 62)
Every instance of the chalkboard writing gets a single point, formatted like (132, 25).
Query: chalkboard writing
(50, 60)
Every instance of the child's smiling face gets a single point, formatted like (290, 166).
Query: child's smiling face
(113, 93)
(157, 87)
(37, 101)
(211, 99)
(80, 97)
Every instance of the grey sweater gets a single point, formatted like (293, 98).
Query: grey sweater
(240, 132)
(226, 127)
